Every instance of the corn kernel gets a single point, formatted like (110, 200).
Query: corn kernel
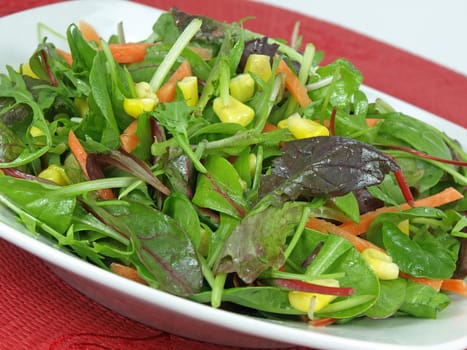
(36, 132)
(143, 89)
(302, 128)
(26, 70)
(302, 301)
(234, 111)
(55, 173)
(189, 88)
(242, 87)
(259, 65)
(137, 106)
(381, 263)
(404, 226)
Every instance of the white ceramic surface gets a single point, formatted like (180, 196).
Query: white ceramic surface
(179, 316)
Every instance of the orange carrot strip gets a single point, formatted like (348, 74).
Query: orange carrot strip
(129, 140)
(204, 53)
(322, 322)
(327, 227)
(268, 127)
(78, 151)
(454, 285)
(293, 84)
(81, 157)
(446, 196)
(371, 122)
(66, 55)
(127, 272)
(166, 92)
(89, 32)
(435, 284)
(129, 52)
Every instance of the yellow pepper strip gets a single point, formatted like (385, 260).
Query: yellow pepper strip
(189, 88)
(233, 111)
(55, 173)
(259, 65)
(302, 301)
(381, 264)
(242, 87)
(302, 128)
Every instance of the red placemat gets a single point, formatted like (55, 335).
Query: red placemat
(40, 311)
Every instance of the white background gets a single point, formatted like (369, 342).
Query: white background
(433, 29)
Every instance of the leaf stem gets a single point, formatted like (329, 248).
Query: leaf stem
(174, 53)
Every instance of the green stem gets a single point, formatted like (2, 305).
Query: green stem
(218, 289)
(174, 53)
(298, 232)
(185, 146)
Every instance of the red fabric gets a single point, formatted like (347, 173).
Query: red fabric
(39, 311)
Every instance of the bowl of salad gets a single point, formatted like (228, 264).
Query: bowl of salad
(208, 173)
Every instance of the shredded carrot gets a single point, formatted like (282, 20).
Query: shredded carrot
(89, 32)
(66, 55)
(127, 272)
(293, 84)
(166, 92)
(268, 127)
(204, 53)
(78, 151)
(328, 227)
(322, 322)
(126, 53)
(129, 140)
(435, 284)
(446, 196)
(81, 157)
(453, 285)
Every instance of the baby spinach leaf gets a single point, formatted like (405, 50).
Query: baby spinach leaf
(267, 299)
(423, 301)
(33, 198)
(181, 209)
(326, 166)
(220, 189)
(390, 299)
(426, 255)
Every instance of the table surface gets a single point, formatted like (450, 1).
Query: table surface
(428, 35)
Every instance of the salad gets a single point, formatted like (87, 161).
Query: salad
(235, 170)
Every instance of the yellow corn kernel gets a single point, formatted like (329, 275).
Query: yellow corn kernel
(302, 128)
(36, 132)
(233, 111)
(259, 65)
(189, 88)
(137, 106)
(381, 263)
(143, 89)
(242, 87)
(26, 70)
(404, 226)
(55, 173)
(302, 301)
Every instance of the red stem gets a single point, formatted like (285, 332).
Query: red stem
(424, 155)
(53, 81)
(332, 122)
(311, 287)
